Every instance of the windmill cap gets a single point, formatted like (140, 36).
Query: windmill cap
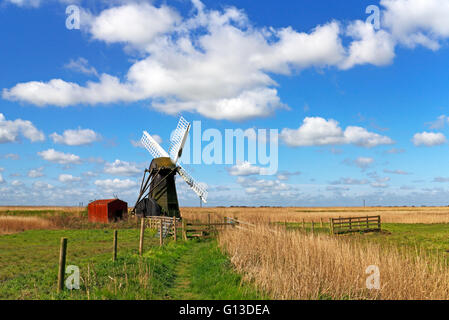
(162, 162)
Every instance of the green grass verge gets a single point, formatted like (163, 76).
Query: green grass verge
(204, 272)
(29, 260)
(430, 237)
(433, 238)
(182, 270)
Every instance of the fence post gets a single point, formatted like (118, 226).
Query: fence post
(161, 231)
(331, 225)
(142, 232)
(313, 227)
(175, 229)
(184, 229)
(303, 224)
(321, 222)
(350, 223)
(114, 249)
(208, 222)
(379, 225)
(62, 258)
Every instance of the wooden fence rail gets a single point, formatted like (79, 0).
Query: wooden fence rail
(195, 229)
(355, 224)
(168, 225)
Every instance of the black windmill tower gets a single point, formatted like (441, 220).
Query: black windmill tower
(158, 194)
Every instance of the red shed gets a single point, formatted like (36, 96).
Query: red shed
(106, 211)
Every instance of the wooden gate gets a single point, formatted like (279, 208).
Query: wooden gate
(170, 225)
(355, 224)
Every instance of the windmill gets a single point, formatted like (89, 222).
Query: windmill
(158, 190)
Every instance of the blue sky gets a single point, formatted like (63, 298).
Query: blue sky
(361, 110)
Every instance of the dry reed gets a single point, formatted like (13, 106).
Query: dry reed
(12, 224)
(296, 214)
(40, 208)
(293, 265)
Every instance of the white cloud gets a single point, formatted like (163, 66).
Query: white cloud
(379, 185)
(363, 138)
(349, 181)
(12, 156)
(428, 139)
(285, 175)
(138, 144)
(59, 157)
(76, 137)
(38, 3)
(440, 123)
(39, 185)
(81, 65)
(16, 183)
(382, 179)
(96, 160)
(115, 184)
(90, 174)
(61, 93)
(259, 102)
(214, 62)
(394, 151)
(316, 131)
(10, 130)
(25, 3)
(245, 169)
(2, 180)
(68, 178)
(337, 189)
(36, 173)
(217, 64)
(122, 168)
(417, 22)
(363, 162)
(399, 172)
(373, 47)
(134, 23)
(261, 186)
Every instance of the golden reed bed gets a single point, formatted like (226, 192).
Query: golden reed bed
(293, 265)
(296, 214)
(12, 224)
(290, 214)
(39, 208)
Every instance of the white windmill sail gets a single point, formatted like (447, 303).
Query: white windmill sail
(178, 140)
(152, 146)
(195, 186)
(177, 144)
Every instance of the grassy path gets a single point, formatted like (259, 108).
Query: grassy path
(203, 272)
(182, 282)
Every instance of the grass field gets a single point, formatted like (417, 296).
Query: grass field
(282, 260)
(183, 270)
